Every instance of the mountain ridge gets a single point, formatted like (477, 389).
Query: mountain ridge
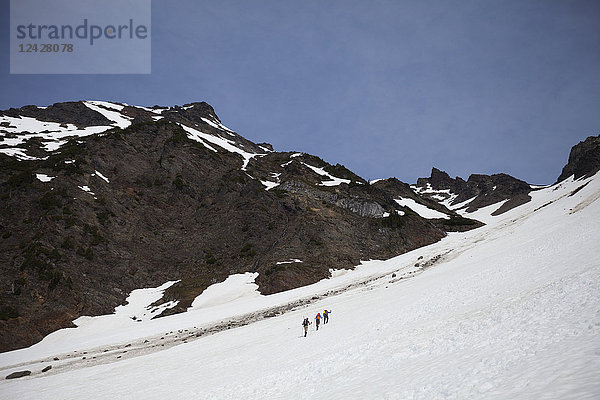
(102, 198)
(91, 212)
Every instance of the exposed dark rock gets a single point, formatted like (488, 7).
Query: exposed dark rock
(584, 159)
(48, 368)
(75, 113)
(574, 192)
(441, 180)
(19, 374)
(495, 188)
(400, 189)
(455, 223)
(482, 190)
(267, 146)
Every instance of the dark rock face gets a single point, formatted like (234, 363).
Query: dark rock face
(441, 180)
(19, 374)
(174, 209)
(495, 188)
(584, 159)
(65, 113)
(456, 223)
(267, 146)
(484, 190)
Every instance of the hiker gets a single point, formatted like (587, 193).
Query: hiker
(318, 320)
(326, 316)
(305, 324)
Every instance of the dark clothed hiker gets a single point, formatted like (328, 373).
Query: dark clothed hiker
(305, 324)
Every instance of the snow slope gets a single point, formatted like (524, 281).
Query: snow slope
(507, 311)
(228, 145)
(333, 181)
(110, 111)
(420, 209)
(53, 134)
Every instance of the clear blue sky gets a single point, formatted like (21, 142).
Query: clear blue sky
(387, 88)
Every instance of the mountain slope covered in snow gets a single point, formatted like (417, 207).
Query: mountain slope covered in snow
(140, 212)
(508, 310)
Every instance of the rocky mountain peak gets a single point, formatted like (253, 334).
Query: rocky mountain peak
(440, 180)
(478, 191)
(74, 112)
(584, 159)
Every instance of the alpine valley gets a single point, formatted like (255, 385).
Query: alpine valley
(150, 214)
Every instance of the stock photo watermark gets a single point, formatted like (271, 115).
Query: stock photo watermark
(80, 37)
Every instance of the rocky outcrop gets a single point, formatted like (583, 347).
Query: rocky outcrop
(453, 223)
(481, 190)
(65, 113)
(360, 205)
(440, 180)
(492, 189)
(584, 159)
(18, 374)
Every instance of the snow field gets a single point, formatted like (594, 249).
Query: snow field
(421, 209)
(110, 111)
(510, 311)
(53, 134)
(44, 177)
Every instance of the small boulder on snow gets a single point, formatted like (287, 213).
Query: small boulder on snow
(18, 374)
